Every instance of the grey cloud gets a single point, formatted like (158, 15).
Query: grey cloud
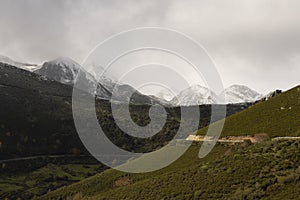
(32, 29)
(253, 42)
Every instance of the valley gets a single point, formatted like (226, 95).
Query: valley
(149, 100)
(37, 133)
(42, 156)
(268, 169)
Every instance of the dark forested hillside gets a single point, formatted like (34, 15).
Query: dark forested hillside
(36, 118)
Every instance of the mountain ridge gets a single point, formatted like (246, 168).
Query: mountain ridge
(65, 70)
(197, 94)
(25, 66)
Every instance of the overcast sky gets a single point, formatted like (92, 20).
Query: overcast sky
(252, 42)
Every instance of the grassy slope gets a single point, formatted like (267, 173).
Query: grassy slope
(268, 170)
(35, 181)
(230, 172)
(44, 179)
(279, 116)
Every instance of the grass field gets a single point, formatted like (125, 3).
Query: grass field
(242, 171)
(36, 181)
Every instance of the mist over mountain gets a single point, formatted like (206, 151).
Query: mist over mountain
(65, 70)
(36, 124)
(165, 94)
(197, 95)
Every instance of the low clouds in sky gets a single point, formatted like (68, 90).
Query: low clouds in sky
(253, 42)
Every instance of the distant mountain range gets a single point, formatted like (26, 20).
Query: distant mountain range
(197, 95)
(65, 70)
(36, 116)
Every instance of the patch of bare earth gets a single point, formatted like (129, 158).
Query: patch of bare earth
(122, 181)
(260, 137)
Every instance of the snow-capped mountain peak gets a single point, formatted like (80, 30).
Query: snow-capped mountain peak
(65, 70)
(165, 94)
(62, 69)
(66, 62)
(195, 95)
(240, 94)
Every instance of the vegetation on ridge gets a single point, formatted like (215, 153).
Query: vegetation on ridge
(266, 170)
(241, 171)
(279, 116)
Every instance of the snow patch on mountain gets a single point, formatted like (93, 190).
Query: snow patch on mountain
(25, 66)
(271, 95)
(165, 94)
(198, 95)
(195, 95)
(63, 70)
(240, 94)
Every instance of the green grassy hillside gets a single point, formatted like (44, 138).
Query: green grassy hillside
(279, 116)
(267, 170)
(52, 174)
